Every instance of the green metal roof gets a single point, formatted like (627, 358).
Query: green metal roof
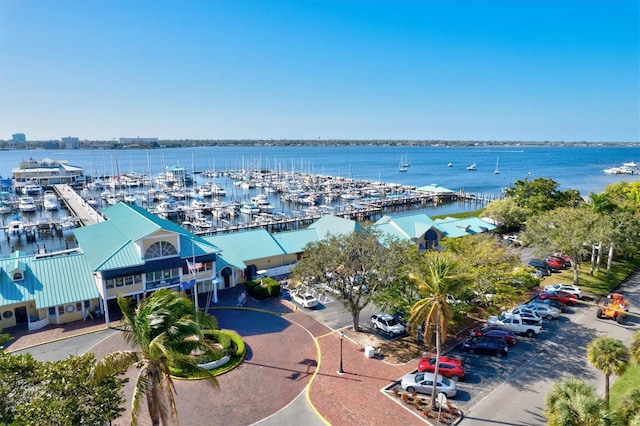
(237, 247)
(453, 227)
(334, 225)
(112, 244)
(406, 227)
(50, 281)
(435, 189)
(295, 241)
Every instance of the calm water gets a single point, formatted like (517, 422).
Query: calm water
(573, 167)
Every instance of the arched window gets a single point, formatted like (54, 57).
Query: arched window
(17, 276)
(160, 249)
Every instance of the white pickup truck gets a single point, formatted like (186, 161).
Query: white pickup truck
(516, 324)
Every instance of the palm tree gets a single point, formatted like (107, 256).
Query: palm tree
(574, 403)
(610, 356)
(166, 329)
(438, 276)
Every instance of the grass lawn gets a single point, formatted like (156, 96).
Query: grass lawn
(625, 383)
(600, 283)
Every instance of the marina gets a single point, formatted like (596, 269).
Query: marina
(359, 182)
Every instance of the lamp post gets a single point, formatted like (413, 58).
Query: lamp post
(341, 370)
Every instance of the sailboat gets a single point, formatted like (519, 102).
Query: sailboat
(404, 165)
(497, 170)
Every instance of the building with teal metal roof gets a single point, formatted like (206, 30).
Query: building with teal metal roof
(38, 291)
(135, 252)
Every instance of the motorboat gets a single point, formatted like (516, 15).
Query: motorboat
(472, 167)
(15, 227)
(249, 208)
(263, 203)
(26, 204)
(167, 209)
(50, 201)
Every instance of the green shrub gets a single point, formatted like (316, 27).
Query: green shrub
(263, 288)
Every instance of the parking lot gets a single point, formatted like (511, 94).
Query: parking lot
(525, 375)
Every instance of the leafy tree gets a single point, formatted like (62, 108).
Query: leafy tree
(610, 356)
(574, 403)
(568, 230)
(541, 195)
(167, 331)
(496, 271)
(437, 275)
(354, 265)
(507, 213)
(59, 392)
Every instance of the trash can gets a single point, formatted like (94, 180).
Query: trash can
(369, 351)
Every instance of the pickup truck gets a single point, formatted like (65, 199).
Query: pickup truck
(516, 324)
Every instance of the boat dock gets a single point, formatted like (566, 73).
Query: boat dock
(78, 207)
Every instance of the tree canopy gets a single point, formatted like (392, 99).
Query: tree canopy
(59, 392)
(355, 266)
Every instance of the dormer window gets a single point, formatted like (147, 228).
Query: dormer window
(160, 249)
(18, 276)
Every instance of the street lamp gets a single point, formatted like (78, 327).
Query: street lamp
(341, 370)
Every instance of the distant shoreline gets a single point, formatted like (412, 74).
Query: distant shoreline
(188, 143)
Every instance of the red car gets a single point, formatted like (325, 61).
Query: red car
(452, 368)
(560, 296)
(554, 263)
(506, 335)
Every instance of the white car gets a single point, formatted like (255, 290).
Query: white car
(544, 310)
(306, 300)
(387, 323)
(567, 288)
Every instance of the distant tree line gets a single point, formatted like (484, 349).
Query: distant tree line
(186, 143)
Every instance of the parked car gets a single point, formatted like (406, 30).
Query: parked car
(306, 300)
(544, 310)
(560, 296)
(487, 345)
(423, 383)
(554, 263)
(525, 313)
(540, 264)
(499, 332)
(565, 259)
(550, 302)
(453, 368)
(387, 323)
(567, 288)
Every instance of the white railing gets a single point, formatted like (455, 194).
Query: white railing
(37, 325)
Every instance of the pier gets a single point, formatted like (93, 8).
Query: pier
(78, 207)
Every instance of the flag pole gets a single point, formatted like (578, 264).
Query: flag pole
(193, 271)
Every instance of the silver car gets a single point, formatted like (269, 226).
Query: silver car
(544, 310)
(423, 383)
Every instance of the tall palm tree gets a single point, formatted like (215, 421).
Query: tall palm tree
(610, 356)
(574, 403)
(437, 275)
(166, 329)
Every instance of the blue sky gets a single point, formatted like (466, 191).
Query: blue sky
(248, 69)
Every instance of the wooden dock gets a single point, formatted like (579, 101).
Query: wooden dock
(78, 207)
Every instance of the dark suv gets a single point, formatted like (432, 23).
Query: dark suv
(488, 345)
